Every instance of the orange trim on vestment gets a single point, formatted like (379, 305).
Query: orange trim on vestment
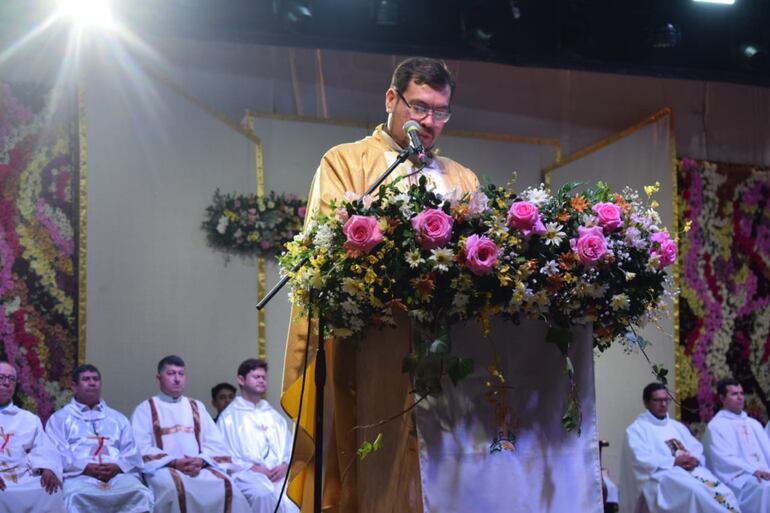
(180, 495)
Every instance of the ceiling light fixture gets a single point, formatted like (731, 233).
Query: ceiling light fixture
(86, 13)
(719, 2)
(386, 13)
(666, 35)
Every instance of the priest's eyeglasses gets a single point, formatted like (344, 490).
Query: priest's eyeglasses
(420, 111)
(7, 378)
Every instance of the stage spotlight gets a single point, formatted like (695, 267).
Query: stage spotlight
(386, 12)
(87, 13)
(665, 35)
(721, 2)
(297, 14)
(754, 57)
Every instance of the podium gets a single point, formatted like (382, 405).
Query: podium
(436, 457)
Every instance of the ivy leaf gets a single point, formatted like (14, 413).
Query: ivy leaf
(637, 340)
(570, 418)
(660, 373)
(459, 368)
(409, 363)
(439, 346)
(369, 447)
(569, 369)
(560, 336)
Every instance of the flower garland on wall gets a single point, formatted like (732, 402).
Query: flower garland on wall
(570, 258)
(725, 298)
(250, 225)
(38, 271)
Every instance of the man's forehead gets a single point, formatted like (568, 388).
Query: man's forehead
(172, 368)
(6, 368)
(89, 374)
(414, 87)
(734, 388)
(660, 393)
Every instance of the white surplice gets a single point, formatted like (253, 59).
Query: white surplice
(736, 447)
(257, 435)
(100, 434)
(166, 429)
(650, 481)
(25, 449)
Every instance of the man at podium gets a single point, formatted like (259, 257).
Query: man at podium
(365, 383)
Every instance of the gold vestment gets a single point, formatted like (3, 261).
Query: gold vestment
(364, 380)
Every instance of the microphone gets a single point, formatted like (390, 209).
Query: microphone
(412, 130)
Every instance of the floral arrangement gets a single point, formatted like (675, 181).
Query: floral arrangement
(725, 299)
(570, 258)
(250, 225)
(38, 266)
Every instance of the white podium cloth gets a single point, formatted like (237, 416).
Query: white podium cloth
(552, 470)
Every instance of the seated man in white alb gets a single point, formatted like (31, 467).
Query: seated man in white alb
(259, 440)
(101, 462)
(185, 456)
(30, 467)
(738, 450)
(662, 465)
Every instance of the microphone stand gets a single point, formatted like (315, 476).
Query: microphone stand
(320, 366)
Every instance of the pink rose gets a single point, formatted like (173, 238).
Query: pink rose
(590, 245)
(609, 216)
(433, 227)
(363, 233)
(525, 217)
(664, 248)
(301, 211)
(480, 254)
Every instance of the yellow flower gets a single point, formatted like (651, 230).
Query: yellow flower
(652, 189)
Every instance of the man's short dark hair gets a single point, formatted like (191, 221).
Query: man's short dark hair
(219, 387)
(422, 70)
(722, 385)
(171, 359)
(649, 389)
(251, 364)
(86, 367)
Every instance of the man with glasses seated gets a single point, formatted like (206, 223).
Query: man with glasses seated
(30, 467)
(421, 91)
(662, 465)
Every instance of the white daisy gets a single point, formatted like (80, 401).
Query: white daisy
(442, 258)
(619, 302)
(554, 234)
(413, 258)
(537, 196)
